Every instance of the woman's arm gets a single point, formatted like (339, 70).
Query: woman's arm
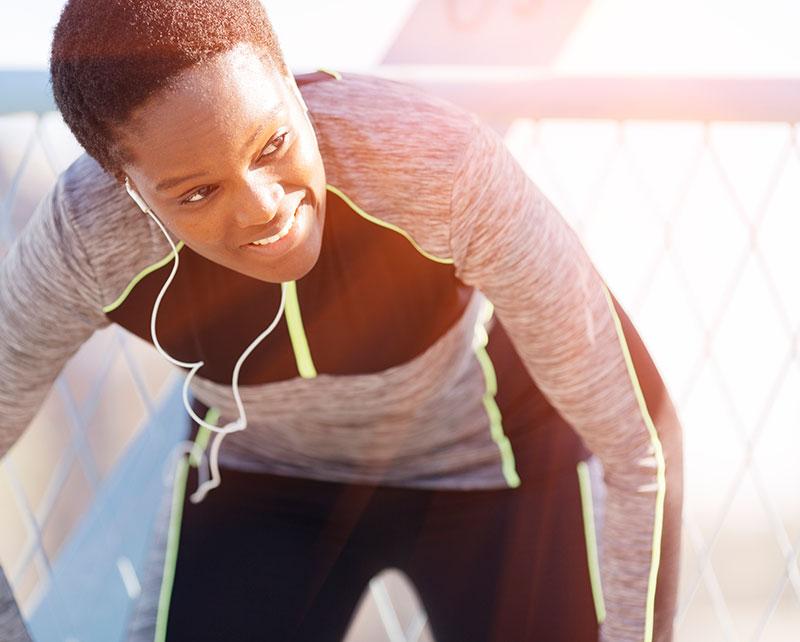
(665, 419)
(12, 627)
(580, 348)
(49, 306)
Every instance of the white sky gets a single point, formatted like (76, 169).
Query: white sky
(346, 34)
(717, 37)
(714, 37)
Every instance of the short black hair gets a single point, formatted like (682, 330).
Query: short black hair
(109, 56)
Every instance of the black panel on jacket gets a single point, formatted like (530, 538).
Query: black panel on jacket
(371, 302)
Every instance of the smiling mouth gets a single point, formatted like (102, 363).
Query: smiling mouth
(285, 228)
(280, 234)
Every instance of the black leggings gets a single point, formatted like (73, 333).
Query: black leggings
(267, 557)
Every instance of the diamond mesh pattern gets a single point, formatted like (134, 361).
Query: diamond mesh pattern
(695, 225)
(692, 223)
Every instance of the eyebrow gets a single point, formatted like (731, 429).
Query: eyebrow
(274, 112)
(253, 136)
(169, 183)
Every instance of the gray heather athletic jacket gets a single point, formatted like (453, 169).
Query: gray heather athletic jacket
(400, 373)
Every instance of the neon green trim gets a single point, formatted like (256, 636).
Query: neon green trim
(173, 537)
(660, 472)
(587, 510)
(388, 226)
(174, 533)
(331, 72)
(148, 270)
(294, 320)
(203, 436)
(480, 341)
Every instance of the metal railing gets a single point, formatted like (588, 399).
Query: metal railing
(686, 193)
(731, 256)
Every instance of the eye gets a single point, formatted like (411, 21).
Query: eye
(199, 195)
(275, 144)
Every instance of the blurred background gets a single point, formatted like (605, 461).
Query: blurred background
(667, 135)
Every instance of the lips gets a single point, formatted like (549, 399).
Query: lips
(282, 218)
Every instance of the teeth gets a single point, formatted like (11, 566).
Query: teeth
(276, 237)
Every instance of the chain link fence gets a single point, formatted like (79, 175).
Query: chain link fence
(694, 222)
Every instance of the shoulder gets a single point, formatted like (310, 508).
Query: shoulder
(393, 148)
(116, 239)
(385, 117)
(388, 103)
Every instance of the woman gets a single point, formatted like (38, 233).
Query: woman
(325, 255)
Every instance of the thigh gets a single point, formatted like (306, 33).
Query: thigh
(509, 565)
(264, 557)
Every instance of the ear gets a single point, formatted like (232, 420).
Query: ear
(137, 198)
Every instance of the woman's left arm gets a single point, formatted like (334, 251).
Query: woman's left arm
(579, 346)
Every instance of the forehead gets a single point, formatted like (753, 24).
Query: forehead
(230, 83)
(213, 102)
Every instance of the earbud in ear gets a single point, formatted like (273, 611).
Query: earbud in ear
(137, 198)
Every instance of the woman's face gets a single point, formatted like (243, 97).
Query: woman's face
(229, 162)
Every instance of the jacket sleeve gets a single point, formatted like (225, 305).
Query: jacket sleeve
(508, 241)
(12, 626)
(49, 306)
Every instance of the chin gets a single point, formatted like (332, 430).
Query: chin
(294, 265)
(291, 270)
(296, 257)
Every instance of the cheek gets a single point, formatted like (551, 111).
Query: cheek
(198, 231)
(307, 164)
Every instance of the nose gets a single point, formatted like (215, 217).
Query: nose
(259, 203)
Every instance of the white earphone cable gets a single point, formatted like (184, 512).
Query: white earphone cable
(234, 426)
